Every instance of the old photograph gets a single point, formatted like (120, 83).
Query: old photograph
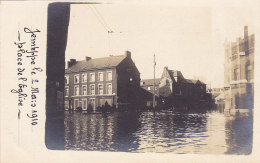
(150, 78)
(143, 78)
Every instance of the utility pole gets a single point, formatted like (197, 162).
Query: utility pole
(154, 81)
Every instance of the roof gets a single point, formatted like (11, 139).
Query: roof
(150, 81)
(106, 62)
(200, 82)
(178, 74)
(175, 73)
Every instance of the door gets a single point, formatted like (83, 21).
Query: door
(92, 104)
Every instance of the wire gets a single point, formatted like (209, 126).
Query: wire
(100, 21)
(100, 15)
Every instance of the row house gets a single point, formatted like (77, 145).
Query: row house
(239, 73)
(150, 87)
(93, 83)
(176, 90)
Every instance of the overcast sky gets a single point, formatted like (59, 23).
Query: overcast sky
(185, 38)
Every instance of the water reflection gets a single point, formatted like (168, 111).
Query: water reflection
(165, 132)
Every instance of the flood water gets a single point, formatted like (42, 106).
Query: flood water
(204, 133)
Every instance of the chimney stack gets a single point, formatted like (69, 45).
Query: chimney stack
(128, 54)
(88, 58)
(71, 62)
(246, 32)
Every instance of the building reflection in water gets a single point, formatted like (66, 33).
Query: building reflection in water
(99, 132)
(211, 132)
(239, 134)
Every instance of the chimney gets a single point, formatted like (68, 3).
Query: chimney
(128, 54)
(71, 62)
(246, 32)
(88, 58)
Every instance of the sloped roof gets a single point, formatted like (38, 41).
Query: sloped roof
(106, 62)
(200, 82)
(176, 73)
(150, 81)
(191, 81)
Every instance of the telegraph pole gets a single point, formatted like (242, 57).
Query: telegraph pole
(154, 64)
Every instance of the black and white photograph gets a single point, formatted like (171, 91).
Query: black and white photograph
(137, 78)
(168, 78)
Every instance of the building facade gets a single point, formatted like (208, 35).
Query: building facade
(176, 90)
(239, 73)
(94, 83)
(150, 87)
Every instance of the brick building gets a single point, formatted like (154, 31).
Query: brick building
(95, 82)
(176, 90)
(147, 86)
(239, 73)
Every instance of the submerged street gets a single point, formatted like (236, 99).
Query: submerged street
(204, 133)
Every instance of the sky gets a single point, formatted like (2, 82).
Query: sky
(182, 37)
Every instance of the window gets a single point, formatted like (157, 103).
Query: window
(76, 90)
(92, 77)
(84, 90)
(109, 75)
(100, 89)
(100, 76)
(248, 72)
(109, 88)
(76, 104)
(92, 89)
(84, 78)
(66, 79)
(76, 79)
(236, 74)
(84, 104)
(149, 88)
(66, 91)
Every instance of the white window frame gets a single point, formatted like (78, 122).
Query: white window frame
(75, 103)
(102, 76)
(67, 78)
(108, 76)
(99, 89)
(86, 75)
(111, 89)
(83, 90)
(75, 78)
(65, 91)
(91, 93)
(75, 90)
(84, 99)
(92, 73)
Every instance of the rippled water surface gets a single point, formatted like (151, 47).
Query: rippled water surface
(211, 132)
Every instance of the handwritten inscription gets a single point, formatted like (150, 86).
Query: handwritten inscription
(28, 50)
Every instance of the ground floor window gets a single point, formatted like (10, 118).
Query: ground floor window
(76, 104)
(84, 104)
